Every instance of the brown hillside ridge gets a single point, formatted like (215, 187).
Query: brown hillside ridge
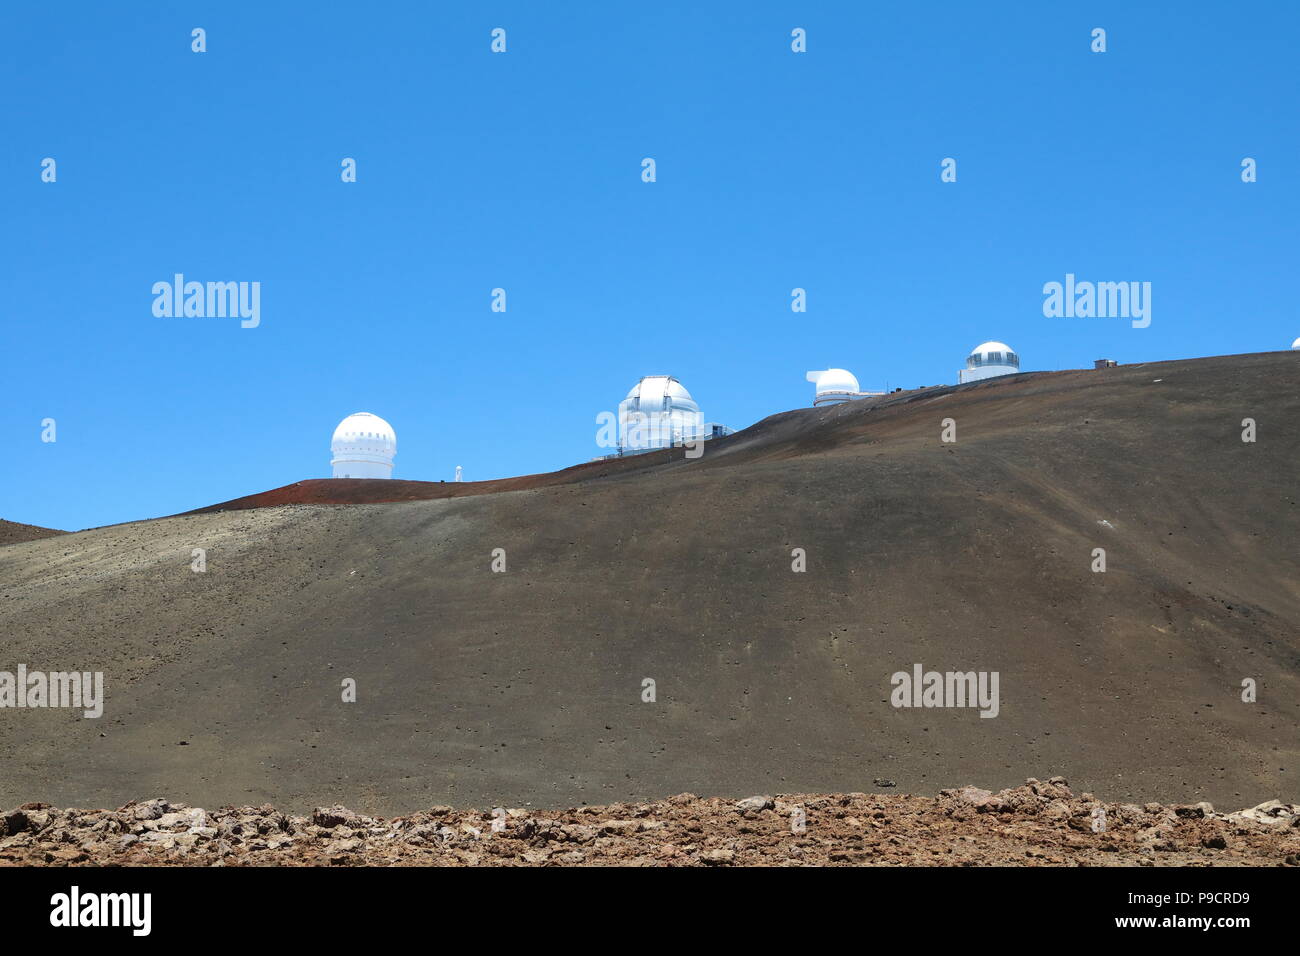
(529, 687)
(1038, 824)
(355, 491)
(12, 532)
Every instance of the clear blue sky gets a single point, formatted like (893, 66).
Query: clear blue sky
(522, 170)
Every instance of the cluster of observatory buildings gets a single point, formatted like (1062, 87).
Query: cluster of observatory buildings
(657, 413)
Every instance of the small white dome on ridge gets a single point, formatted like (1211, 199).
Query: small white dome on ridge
(363, 446)
(989, 360)
(992, 353)
(833, 385)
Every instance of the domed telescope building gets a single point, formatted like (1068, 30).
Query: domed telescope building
(363, 446)
(989, 361)
(834, 386)
(659, 413)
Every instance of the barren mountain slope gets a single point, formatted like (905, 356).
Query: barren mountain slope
(483, 688)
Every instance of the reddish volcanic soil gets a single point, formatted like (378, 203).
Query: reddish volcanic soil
(361, 491)
(11, 532)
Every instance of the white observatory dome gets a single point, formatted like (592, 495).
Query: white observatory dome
(363, 446)
(657, 413)
(833, 385)
(664, 389)
(1296, 344)
(989, 360)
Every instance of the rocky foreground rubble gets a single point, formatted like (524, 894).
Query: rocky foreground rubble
(1038, 824)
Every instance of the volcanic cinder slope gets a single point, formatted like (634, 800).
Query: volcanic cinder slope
(12, 532)
(525, 687)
